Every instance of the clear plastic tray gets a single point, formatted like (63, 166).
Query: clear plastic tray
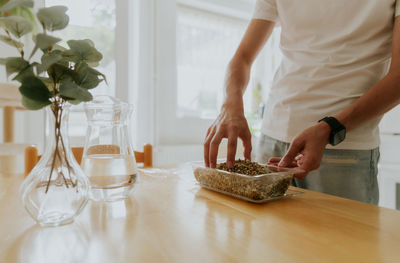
(257, 189)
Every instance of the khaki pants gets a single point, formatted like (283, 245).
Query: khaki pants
(346, 173)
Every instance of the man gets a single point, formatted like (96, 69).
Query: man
(340, 73)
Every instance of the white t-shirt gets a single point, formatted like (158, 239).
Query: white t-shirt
(333, 52)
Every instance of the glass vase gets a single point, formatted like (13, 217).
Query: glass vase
(56, 190)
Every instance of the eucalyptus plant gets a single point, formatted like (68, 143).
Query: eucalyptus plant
(63, 74)
(18, 8)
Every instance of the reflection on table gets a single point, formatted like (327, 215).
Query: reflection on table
(169, 218)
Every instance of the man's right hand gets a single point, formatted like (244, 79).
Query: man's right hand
(230, 124)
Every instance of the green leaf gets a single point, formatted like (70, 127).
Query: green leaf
(74, 102)
(53, 18)
(33, 88)
(15, 65)
(94, 64)
(49, 59)
(3, 61)
(48, 82)
(34, 104)
(59, 72)
(18, 26)
(9, 41)
(40, 68)
(16, 3)
(44, 42)
(58, 47)
(95, 71)
(69, 89)
(86, 77)
(82, 50)
(25, 73)
(27, 13)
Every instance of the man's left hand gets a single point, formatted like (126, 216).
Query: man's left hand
(306, 149)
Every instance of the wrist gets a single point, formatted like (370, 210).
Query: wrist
(234, 95)
(325, 130)
(233, 104)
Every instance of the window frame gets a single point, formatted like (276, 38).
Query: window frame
(180, 135)
(123, 32)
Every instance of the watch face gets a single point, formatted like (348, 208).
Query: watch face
(338, 137)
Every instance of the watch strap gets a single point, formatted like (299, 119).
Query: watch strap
(336, 127)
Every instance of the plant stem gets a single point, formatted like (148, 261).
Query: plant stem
(57, 111)
(54, 160)
(67, 162)
(65, 153)
(20, 50)
(44, 28)
(58, 129)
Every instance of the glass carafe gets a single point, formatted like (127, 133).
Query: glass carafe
(108, 157)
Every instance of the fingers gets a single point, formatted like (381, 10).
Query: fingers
(206, 146)
(309, 162)
(294, 158)
(232, 146)
(231, 128)
(214, 144)
(274, 160)
(294, 149)
(299, 157)
(246, 139)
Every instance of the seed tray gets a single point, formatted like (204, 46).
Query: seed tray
(257, 189)
(289, 193)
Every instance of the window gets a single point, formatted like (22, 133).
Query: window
(95, 20)
(194, 41)
(206, 41)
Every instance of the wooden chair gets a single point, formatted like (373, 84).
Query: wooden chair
(10, 100)
(12, 158)
(145, 157)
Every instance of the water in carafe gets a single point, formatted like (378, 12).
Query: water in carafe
(108, 158)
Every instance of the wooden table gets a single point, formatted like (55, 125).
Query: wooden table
(169, 218)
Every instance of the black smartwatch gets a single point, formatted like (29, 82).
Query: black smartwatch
(338, 131)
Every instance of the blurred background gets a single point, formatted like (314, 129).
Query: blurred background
(168, 58)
